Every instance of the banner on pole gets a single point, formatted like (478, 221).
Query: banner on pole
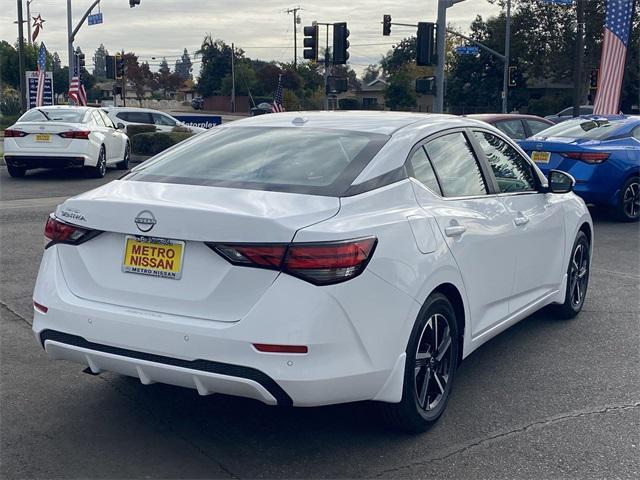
(32, 88)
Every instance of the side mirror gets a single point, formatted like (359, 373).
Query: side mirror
(560, 182)
(120, 126)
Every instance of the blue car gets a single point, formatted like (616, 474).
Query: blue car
(601, 152)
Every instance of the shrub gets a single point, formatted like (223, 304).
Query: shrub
(180, 129)
(153, 143)
(133, 130)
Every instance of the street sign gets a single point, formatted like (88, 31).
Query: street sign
(32, 88)
(468, 50)
(95, 18)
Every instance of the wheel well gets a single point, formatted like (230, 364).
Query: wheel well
(451, 292)
(586, 228)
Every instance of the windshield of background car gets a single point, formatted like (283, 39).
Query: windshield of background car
(583, 128)
(70, 115)
(296, 160)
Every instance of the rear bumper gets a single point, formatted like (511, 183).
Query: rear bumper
(37, 161)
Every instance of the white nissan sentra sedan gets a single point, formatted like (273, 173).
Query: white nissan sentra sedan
(62, 136)
(313, 258)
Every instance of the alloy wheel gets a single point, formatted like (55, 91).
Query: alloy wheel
(433, 362)
(631, 200)
(578, 276)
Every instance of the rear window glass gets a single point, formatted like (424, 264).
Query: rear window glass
(53, 115)
(584, 128)
(298, 160)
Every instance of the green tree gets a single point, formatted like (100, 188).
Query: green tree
(100, 62)
(400, 93)
(216, 64)
(371, 73)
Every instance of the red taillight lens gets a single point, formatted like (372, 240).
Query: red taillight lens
(41, 308)
(588, 157)
(14, 133)
(319, 263)
(60, 232)
(76, 134)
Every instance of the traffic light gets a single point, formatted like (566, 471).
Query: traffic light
(133, 3)
(110, 64)
(340, 43)
(119, 66)
(337, 84)
(426, 85)
(513, 71)
(425, 44)
(593, 78)
(311, 43)
(386, 25)
(81, 60)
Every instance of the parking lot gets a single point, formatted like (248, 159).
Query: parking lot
(545, 399)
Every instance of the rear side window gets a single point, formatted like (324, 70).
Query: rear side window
(423, 171)
(160, 119)
(536, 126)
(135, 117)
(513, 173)
(298, 160)
(456, 166)
(513, 128)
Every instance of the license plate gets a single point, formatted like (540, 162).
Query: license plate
(157, 257)
(43, 137)
(541, 157)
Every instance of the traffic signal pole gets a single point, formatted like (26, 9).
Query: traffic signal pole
(578, 59)
(441, 28)
(71, 34)
(505, 75)
(23, 80)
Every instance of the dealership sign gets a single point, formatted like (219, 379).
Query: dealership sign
(32, 88)
(202, 121)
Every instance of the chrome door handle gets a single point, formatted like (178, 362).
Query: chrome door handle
(455, 231)
(521, 220)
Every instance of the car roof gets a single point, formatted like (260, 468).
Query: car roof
(65, 107)
(496, 117)
(134, 109)
(384, 122)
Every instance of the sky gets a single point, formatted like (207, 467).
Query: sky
(262, 28)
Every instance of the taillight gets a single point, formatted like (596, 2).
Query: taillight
(76, 134)
(321, 263)
(587, 157)
(14, 133)
(59, 232)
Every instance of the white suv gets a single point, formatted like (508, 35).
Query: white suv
(135, 116)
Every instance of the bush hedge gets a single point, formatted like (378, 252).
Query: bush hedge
(133, 130)
(155, 142)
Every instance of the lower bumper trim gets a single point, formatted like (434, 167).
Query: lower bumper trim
(24, 161)
(199, 365)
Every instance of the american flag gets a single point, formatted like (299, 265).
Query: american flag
(76, 89)
(42, 69)
(614, 51)
(276, 106)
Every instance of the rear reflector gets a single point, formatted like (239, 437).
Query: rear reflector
(76, 134)
(587, 157)
(264, 347)
(60, 232)
(322, 263)
(14, 133)
(41, 308)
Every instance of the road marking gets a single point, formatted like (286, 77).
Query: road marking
(32, 202)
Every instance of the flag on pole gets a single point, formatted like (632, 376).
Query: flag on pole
(42, 70)
(276, 106)
(614, 51)
(77, 92)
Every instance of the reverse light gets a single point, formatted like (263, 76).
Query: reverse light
(321, 263)
(59, 232)
(76, 134)
(587, 157)
(14, 133)
(268, 348)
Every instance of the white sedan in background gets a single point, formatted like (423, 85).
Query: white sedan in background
(63, 136)
(148, 116)
(313, 258)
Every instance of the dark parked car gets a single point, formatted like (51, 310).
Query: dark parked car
(197, 103)
(515, 125)
(567, 113)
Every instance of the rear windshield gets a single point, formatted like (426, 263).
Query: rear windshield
(54, 115)
(583, 128)
(297, 160)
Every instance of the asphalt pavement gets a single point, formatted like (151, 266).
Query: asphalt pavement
(545, 399)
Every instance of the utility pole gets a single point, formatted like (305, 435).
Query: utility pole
(124, 82)
(71, 34)
(326, 70)
(29, 2)
(441, 28)
(578, 59)
(233, 79)
(505, 75)
(23, 81)
(296, 20)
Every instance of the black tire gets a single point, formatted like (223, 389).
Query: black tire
(628, 208)
(421, 404)
(100, 169)
(577, 278)
(124, 164)
(16, 172)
